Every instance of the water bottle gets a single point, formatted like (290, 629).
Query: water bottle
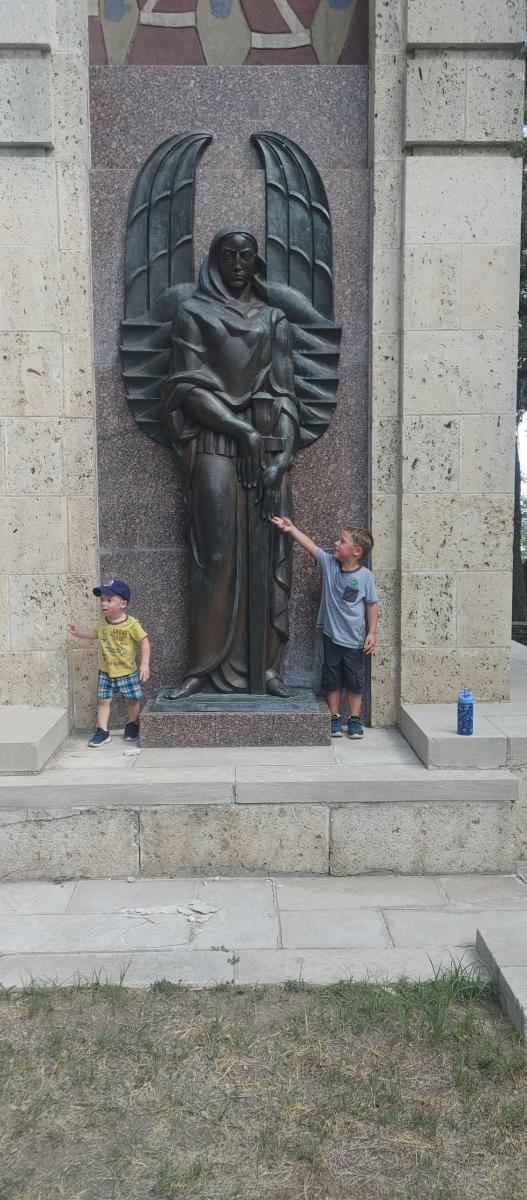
(465, 712)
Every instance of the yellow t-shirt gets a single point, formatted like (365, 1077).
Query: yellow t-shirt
(117, 645)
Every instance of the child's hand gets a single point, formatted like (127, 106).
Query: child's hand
(144, 674)
(369, 643)
(73, 628)
(283, 523)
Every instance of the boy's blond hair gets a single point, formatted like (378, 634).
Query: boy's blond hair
(361, 538)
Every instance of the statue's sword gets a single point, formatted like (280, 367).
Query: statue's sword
(259, 556)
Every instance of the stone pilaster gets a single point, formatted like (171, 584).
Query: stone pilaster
(453, 297)
(47, 476)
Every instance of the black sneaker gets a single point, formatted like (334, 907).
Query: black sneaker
(131, 731)
(355, 729)
(100, 737)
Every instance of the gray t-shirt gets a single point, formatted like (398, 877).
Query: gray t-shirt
(345, 594)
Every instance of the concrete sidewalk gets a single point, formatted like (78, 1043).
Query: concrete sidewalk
(262, 930)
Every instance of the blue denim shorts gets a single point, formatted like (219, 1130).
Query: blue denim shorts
(129, 686)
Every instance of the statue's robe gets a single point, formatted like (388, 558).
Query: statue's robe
(242, 355)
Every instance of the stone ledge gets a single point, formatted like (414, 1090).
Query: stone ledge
(502, 945)
(499, 738)
(208, 720)
(29, 736)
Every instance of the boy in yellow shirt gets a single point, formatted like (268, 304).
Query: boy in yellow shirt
(118, 635)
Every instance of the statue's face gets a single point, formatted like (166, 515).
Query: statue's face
(237, 262)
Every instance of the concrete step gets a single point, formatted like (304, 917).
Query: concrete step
(503, 949)
(304, 811)
(499, 738)
(30, 736)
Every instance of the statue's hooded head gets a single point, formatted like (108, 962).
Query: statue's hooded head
(232, 261)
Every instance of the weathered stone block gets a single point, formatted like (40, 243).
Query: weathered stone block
(460, 371)
(74, 296)
(435, 99)
(386, 454)
(2, 458)
(31, 374)
(4, 614)
(33, 451)
(33, 534)
(71, 27)
(385, 686)
(494, 99)
(235, 840)
(25, 116)
(389, 25)
(487, 453)
(388, 105)
(82, 536)
(70, 107)
(491, 280)
(80, 600)
(28, 300)
(79, 457)
(385, 375)
(388, 203)
(38, 611)
(456, 532)
(472, 23)
(78, 376)
(386, 298)
(26, 24)
(28, 212)
(433, 675)
(484, 604)
(464, 199)
(420, 839)
(34, 678)
(430, 455)
(61, 844)
(428, 609)
(432, 287)
(84, 662)
(385, 529)
(389, 590)
(73, 211)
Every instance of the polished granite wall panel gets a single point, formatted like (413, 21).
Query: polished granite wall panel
(142, 530)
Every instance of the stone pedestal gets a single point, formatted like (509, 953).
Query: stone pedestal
(209, 720)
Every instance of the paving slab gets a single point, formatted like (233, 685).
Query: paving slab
(327, 966)
(36, 897)
(445, 928)
(336, 927)
(203, 968)
(110, 932)
(498, 891)
(112, 895)
(377, 746)
(359, 891)
(246, 914)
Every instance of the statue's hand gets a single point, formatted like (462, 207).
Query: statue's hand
(270, 489)
(251, 461)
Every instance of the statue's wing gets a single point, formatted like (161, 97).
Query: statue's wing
(158, 272)
(299, 252)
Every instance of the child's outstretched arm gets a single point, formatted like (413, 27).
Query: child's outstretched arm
(287, 526)
(89, 634)
(144, 662)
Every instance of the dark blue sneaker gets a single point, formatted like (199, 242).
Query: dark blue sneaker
(336, 726)
(355, 729)
(100, 737)
(131, 731)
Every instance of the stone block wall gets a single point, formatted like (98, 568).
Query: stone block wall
(447, 102)
(47, 449)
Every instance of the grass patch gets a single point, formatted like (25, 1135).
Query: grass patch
(358, 1091)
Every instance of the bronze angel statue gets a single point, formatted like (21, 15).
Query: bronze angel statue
(237, 373)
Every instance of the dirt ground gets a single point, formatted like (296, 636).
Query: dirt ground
(294, 1093)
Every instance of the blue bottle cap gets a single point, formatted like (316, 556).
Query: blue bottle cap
(465, 695)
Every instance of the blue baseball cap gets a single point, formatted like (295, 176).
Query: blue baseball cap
(113, 587)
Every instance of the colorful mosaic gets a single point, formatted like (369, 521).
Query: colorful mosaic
(228, 32)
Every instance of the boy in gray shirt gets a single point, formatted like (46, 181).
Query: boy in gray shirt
(347, 616)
